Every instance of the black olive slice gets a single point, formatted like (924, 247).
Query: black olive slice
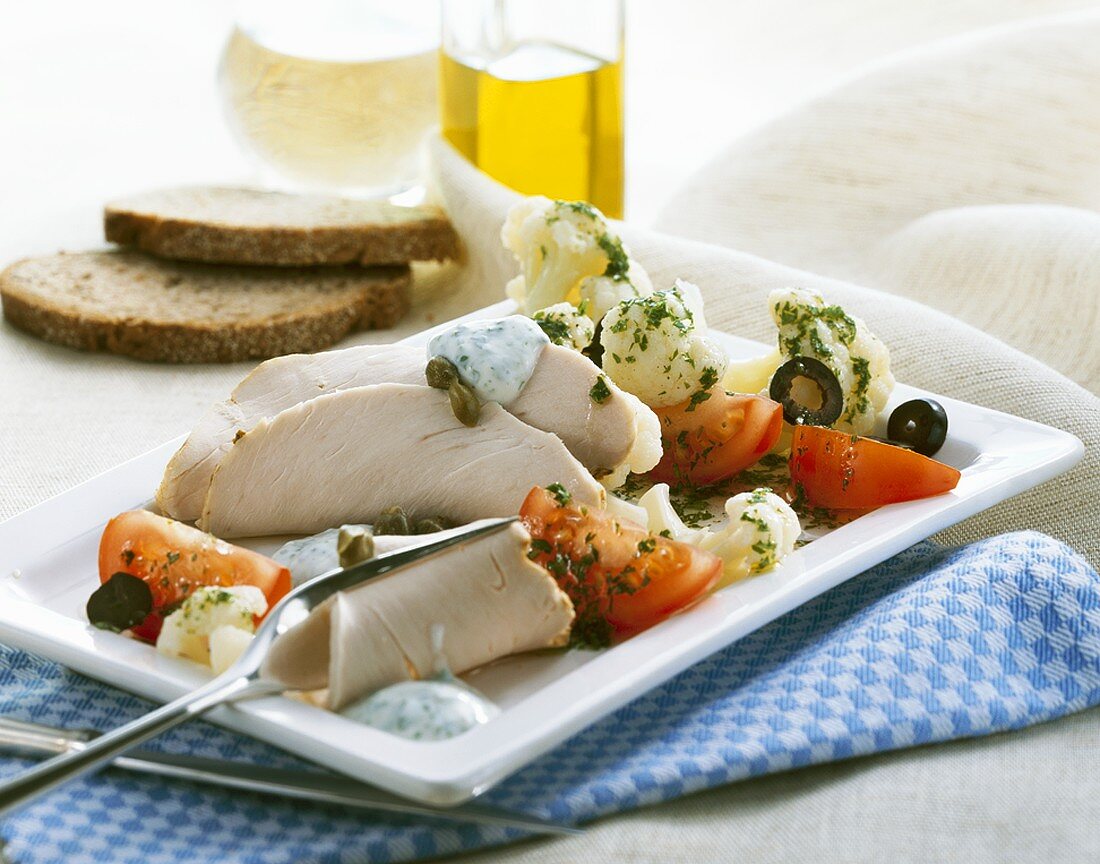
(920, 424)
(594, 351)
(123, 601)
(808, 391)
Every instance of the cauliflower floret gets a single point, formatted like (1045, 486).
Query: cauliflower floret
(565, 324)
(809, 327)
(558, 244)
(602, 293)
(663, 518)
(625, 511)
(646, 451)
(189, 630)
(761, 532)
(655, 347)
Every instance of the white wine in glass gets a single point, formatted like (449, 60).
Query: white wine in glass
(333, 95)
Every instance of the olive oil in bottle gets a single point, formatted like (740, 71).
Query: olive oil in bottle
(543, 119)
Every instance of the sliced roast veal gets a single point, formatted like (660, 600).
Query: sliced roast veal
(271, 387)
(602, 435)
(345, 456)
(490, 599)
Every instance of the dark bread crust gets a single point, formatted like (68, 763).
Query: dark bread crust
(375, 298)
(242, 226)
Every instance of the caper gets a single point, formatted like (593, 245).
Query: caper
(440, 373)
(428, 526)
(354, 545)
(464, 403)
(392, 520)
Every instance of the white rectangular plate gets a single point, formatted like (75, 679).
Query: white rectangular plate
(48, 569)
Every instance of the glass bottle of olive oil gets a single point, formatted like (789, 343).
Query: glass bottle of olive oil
(542, 115)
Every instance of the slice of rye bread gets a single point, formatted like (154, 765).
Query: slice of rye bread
(247, 226)
(124, 302)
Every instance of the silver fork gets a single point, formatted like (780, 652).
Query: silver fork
(242, 681)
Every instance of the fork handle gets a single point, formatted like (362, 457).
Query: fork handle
(29, 785)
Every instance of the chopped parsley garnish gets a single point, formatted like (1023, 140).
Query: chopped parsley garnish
(860, 402)
(815, 517)
(804, 319)
(582, 207)
(560, 493)
(600, 392)
(692, 504)
(706, 381)
(617, 263)
(634, 487)
(556, 330)
(539, 547)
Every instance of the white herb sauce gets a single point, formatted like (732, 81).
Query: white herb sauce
(311, 556)
(430, 710)
(495, 357)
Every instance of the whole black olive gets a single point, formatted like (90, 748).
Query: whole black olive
(123, 601)
(919, 423)
(818, 404)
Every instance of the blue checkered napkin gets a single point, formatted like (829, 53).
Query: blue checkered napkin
(934, 644)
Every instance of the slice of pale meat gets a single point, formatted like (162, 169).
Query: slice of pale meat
(556, 399)
(271, 387)
(344, 457)
(490, 599)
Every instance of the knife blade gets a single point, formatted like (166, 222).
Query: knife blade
(327, 788)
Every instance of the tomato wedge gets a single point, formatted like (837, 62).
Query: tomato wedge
(174, 559)
(843, 472)
(713, 439)
(621, 578)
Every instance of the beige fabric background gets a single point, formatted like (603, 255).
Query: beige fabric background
(962, 174)
(102, 98)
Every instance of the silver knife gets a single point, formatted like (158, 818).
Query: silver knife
(38, 740)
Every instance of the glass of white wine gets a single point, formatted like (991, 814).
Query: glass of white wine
(333, 95)
(532, 93)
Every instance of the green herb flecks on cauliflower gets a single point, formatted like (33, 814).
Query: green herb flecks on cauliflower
(655, 347)
(663, 519)
(760, 530)
(558, 245)
(212, 624)
(600, 294)
(566, 324)
(809, 327)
